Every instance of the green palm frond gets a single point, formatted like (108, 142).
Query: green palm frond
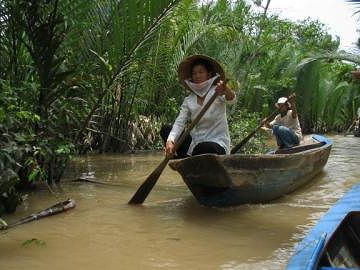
(113, 29)
(341, 55)
(307, 90)
(335, 104)
(355, 3)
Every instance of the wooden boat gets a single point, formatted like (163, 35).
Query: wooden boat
(228, 180)
(334, 242)
(356, 132)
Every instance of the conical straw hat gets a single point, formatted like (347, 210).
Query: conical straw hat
(184, 69)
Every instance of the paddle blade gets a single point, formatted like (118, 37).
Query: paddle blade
(145, 188)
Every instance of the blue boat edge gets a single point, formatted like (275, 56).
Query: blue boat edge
(321, 139)
(307, 253)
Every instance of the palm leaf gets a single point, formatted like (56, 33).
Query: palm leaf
(119, 31)
(341, 55)
(356, 3)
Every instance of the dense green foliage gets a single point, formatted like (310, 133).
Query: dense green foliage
(61, 61)
(78, 76)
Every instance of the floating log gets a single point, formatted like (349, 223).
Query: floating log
(52, 210)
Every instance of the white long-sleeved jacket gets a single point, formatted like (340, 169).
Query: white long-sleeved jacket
(213, 125)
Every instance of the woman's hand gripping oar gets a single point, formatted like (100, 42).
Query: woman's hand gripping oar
(145, 188)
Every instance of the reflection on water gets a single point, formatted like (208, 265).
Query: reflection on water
(171, 230)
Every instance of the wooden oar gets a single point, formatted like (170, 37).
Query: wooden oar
(52, 210)
(145, 188)
(248, 137)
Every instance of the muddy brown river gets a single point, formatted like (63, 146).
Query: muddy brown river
(171, 230)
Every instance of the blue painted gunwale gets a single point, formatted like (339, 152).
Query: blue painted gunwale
(307, 252)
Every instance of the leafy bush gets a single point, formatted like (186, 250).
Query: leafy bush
(243, 123)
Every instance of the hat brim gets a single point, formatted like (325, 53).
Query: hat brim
(278, 105)
(184, 69)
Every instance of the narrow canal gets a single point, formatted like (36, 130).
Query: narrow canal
(170, 231)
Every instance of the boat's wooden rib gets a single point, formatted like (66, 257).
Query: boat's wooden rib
(225, 180)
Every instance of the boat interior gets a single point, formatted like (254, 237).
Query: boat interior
(342, 250)
(308, 142)
(300, 148)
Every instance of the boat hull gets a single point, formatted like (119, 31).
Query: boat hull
(334, 242)
(227, 180)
